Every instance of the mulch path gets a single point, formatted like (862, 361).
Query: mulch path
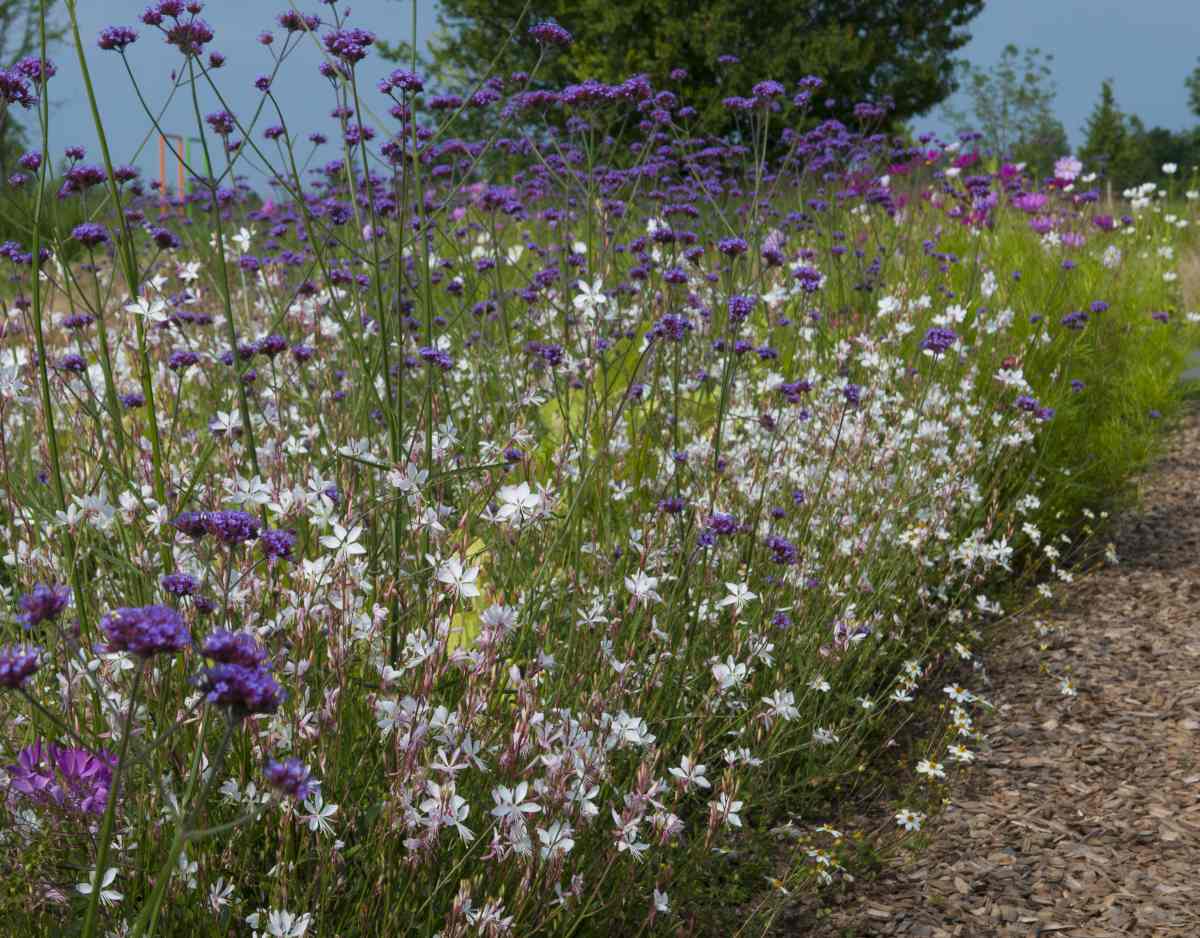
(1081, 818)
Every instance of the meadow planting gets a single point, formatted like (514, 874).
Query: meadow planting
(520, 516)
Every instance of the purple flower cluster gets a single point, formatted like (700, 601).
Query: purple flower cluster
(240, 648)
(549, 33)
(90, 234)
(116, 38)
(229, 527)
(145, 630)
(179, 584)
(241, 679)
(17, 663)
(63, 777)
(291, 777)
(278, 544)
(938, 340)
(42, 604)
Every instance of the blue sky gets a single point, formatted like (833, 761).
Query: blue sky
(1147, 47)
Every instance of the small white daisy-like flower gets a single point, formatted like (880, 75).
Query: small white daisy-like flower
(931, 769)
(960, 753)
(909, 820)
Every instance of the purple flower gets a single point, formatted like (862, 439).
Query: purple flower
(938, 340)
(221, 122)
(246, 690)
(240, 648)
(90, 234)
(852, 393)
(17, 663)
(782, 550)
(43, 603)
(291, 776)
(232, 527)
(145, 630)
(179, 584)
(31, 161)
(191, 523)
(349, 45)
(278, 544)
(116, 38)
(14, 89)
(549, 33)
(732, 247)
(70, 778)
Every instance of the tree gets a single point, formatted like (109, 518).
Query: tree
(1012, 105)
(863, 49)
(19, 37)
(1192, 83)
(1106, 145)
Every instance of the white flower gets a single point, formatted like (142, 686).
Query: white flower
(726, 809)
(643, 587)
(1066, 687)
(1169, 168)
(958, 694)
(960, 753)
(155, 310)
(107, 896)
(930, 769)
(739, 596)
(589, 297)
(518, 504)
(511, 806)
(691, 773)
(344, 542)
(819, 684)
(555, 839)
(662, 902)
(459, 578)
(782, 704)
(729, 673)
(319, 814)
(219, 893)
(909, 820)
(284, 924)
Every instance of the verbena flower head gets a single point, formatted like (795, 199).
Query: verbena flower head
(43, 603)
(90, 234)
(291, 777)
(17, 663)
(232, 527)
(63, 777)
(549, 33)
(939, 340)
(179, 584)
(116, 38)
(245, 690)
(15, 89)
(145, 630)
(240, 648)
(278, 544)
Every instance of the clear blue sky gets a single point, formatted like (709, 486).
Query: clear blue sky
(1146, 46)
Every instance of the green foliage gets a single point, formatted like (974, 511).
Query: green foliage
(865, 49)
(1012, 105)
(1106, 144)
(1192, 84)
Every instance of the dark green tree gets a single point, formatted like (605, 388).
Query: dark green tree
(863, 49)
(1012, 105)
(1107, 145)
(1192, 83)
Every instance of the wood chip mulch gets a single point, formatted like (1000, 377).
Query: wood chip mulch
(1082, 817)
